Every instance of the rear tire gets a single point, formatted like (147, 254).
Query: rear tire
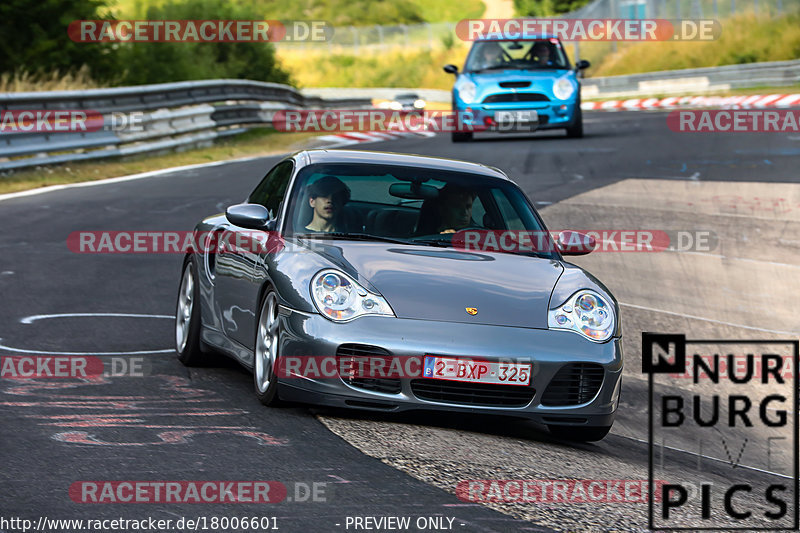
(461, 137)
(188, 345)
(579, 433)
(576, 130)
(268, 337)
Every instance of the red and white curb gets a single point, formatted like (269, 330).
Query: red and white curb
(725, 102)
(356, 137)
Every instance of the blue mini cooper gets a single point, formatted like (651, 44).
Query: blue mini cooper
(517, 85)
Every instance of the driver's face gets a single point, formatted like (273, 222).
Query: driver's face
(490, 54)
(324, 207)
(457, 211)
(543, 54)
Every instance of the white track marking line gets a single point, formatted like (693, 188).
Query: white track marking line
(131, 177)
(729, 258)
(708, 457)
(50, 352)
(694, 317)
(33, 318)
(339, 141)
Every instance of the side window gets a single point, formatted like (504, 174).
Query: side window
(270, 191)
(478, 211)
(507, 210)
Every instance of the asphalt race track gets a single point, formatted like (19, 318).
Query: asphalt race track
(205, 423)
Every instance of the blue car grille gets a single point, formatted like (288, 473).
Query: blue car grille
(384, 385)
(515, 97)
(482, 394)
(573, 384)
(514, 84)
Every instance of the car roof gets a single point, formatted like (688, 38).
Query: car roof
(391, 158)
(542, 37)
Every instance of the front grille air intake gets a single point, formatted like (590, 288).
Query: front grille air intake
(373, 384)
(479, 394)
(573, 384)
(515, 97)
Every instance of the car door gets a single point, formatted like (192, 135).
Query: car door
(238, 254)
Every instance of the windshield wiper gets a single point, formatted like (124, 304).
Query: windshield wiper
(352, 236)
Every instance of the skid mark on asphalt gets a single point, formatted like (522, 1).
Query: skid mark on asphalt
(167, 437)
(135, 413)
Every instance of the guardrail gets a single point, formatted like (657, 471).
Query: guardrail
(696, 80)
(173, 115)
(672, 82)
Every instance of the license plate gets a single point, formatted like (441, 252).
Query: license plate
(516, 120)
(476, 371)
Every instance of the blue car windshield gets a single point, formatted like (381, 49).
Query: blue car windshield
(406, 204)
(516, 55)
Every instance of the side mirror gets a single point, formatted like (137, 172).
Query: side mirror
(583, 64)
(251, 216)
(575, 243)
(451, 69)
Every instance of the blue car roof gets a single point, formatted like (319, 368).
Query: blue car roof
(498, 39)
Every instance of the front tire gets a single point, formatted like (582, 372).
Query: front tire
(461, 136)
(188, 345)
(576, 130)
(579, 433)
(267, 351)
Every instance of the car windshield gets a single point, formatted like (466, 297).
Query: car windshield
(405, 205)
(521, 55)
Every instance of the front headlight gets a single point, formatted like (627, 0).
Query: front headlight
(419, 103)
(563, 88)
(467, 91)
(340, 298)
(585, 312)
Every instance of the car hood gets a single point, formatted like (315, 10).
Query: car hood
(426, 283)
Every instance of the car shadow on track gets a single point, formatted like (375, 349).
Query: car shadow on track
(505, 427)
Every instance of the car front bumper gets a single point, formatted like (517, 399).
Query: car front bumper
(548, 351)
(552, 115)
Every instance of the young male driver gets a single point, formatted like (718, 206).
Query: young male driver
(327, 196)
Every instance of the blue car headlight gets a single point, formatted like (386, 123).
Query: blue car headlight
(586, 313)
(467, 90)
(563, 88)
(340, 298)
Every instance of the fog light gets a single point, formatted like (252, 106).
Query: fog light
(489, 121)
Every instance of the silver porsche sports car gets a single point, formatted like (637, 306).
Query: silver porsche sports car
(391, 282)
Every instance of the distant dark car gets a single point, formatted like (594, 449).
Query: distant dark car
(407, 102)
(368, 266)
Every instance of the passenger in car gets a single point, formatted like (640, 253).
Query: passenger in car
(491, 55)
(455, 208)
(327, 196)
(541, 52)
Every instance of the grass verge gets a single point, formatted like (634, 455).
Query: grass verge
(388, 68)
(256, 142)
(745, 38)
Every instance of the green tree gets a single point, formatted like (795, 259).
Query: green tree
(33, 38)
(164, 62)
(546, 8)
